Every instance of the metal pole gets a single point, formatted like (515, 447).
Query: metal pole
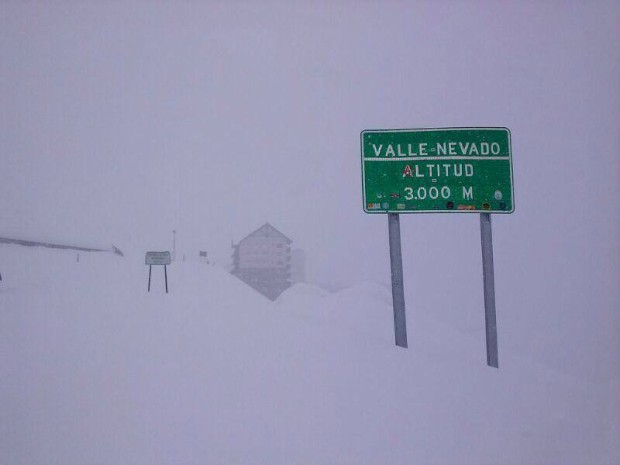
(398, 291)
(150, 278)
(174, 244)
(486, 239)
(166, 276)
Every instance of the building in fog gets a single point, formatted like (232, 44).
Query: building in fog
(262, 260)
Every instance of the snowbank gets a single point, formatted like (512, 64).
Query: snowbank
(97, 370)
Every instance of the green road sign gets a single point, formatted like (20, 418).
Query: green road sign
(437, 170)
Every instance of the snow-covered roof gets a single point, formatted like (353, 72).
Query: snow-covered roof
(267, 230)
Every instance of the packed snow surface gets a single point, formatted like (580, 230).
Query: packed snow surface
(95, 370)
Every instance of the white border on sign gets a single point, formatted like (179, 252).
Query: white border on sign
(380, 131)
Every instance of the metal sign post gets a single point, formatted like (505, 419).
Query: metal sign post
(166, 277)
(398, 288)
(486, 239)
(439, 170)
(158, 258)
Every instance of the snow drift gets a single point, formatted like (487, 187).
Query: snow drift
(96, 370)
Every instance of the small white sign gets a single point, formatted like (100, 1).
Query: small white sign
(157, 258)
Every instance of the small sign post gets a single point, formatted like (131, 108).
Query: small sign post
(443, 170)
(158, 258)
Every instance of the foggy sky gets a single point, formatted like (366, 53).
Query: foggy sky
(122, 121)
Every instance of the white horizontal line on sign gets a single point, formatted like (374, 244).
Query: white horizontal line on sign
(434, 158)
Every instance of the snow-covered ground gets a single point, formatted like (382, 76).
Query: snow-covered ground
(95, 370)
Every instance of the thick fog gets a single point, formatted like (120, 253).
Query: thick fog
(123, 121)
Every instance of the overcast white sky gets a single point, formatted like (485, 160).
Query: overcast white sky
(120, 121)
